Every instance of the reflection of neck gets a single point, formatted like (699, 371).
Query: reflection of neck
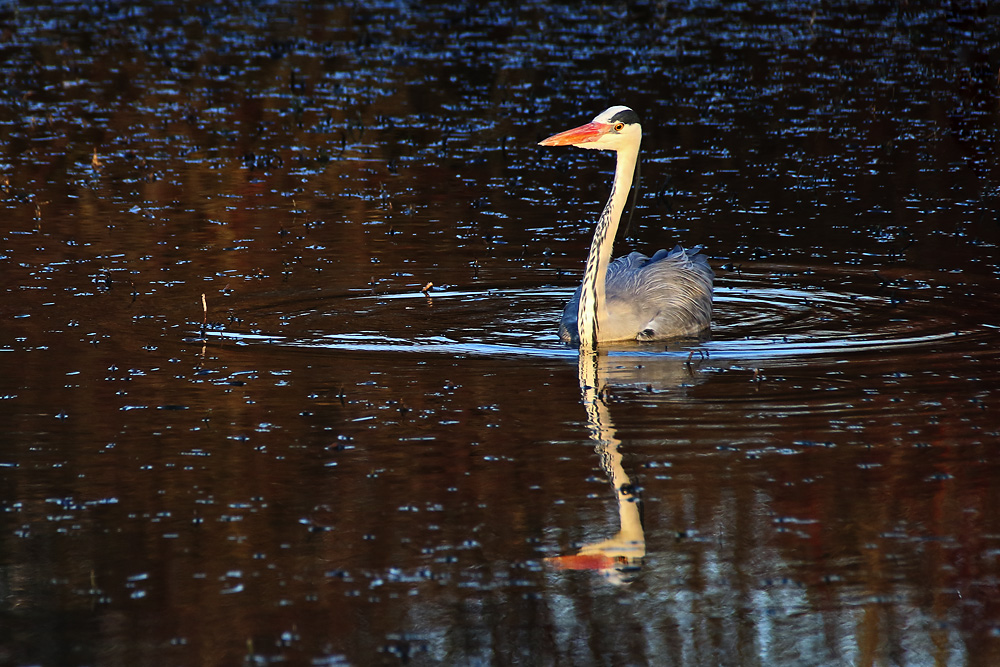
(630, 542)
(592, 309)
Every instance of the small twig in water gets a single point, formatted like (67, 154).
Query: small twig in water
(204, 310)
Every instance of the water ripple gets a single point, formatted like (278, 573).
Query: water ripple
(768, 313)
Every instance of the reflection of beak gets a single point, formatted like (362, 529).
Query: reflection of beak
(578, 135)
(595, 561)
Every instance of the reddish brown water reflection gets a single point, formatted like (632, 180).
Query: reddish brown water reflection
(341, 470)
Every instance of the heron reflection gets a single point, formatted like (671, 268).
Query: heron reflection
(619, 557)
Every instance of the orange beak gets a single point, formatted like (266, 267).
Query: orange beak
(578, 135)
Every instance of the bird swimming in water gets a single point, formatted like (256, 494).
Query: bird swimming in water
(635, 297)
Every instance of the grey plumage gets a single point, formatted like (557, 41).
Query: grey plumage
(648, 298)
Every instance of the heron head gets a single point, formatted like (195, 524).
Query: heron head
(611, 130)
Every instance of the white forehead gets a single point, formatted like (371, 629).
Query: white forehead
(606, 115)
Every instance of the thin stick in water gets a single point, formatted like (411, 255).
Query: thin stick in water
(204, 310)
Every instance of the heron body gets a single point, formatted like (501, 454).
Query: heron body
(635, 297)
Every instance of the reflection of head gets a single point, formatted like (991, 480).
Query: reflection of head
(618, 559)
(618, 569)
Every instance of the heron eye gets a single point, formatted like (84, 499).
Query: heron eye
(619, 127)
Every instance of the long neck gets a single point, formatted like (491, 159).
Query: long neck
(593, 308)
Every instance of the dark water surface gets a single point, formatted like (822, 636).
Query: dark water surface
(340, 469)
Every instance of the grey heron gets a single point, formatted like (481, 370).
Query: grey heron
(635, 297)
